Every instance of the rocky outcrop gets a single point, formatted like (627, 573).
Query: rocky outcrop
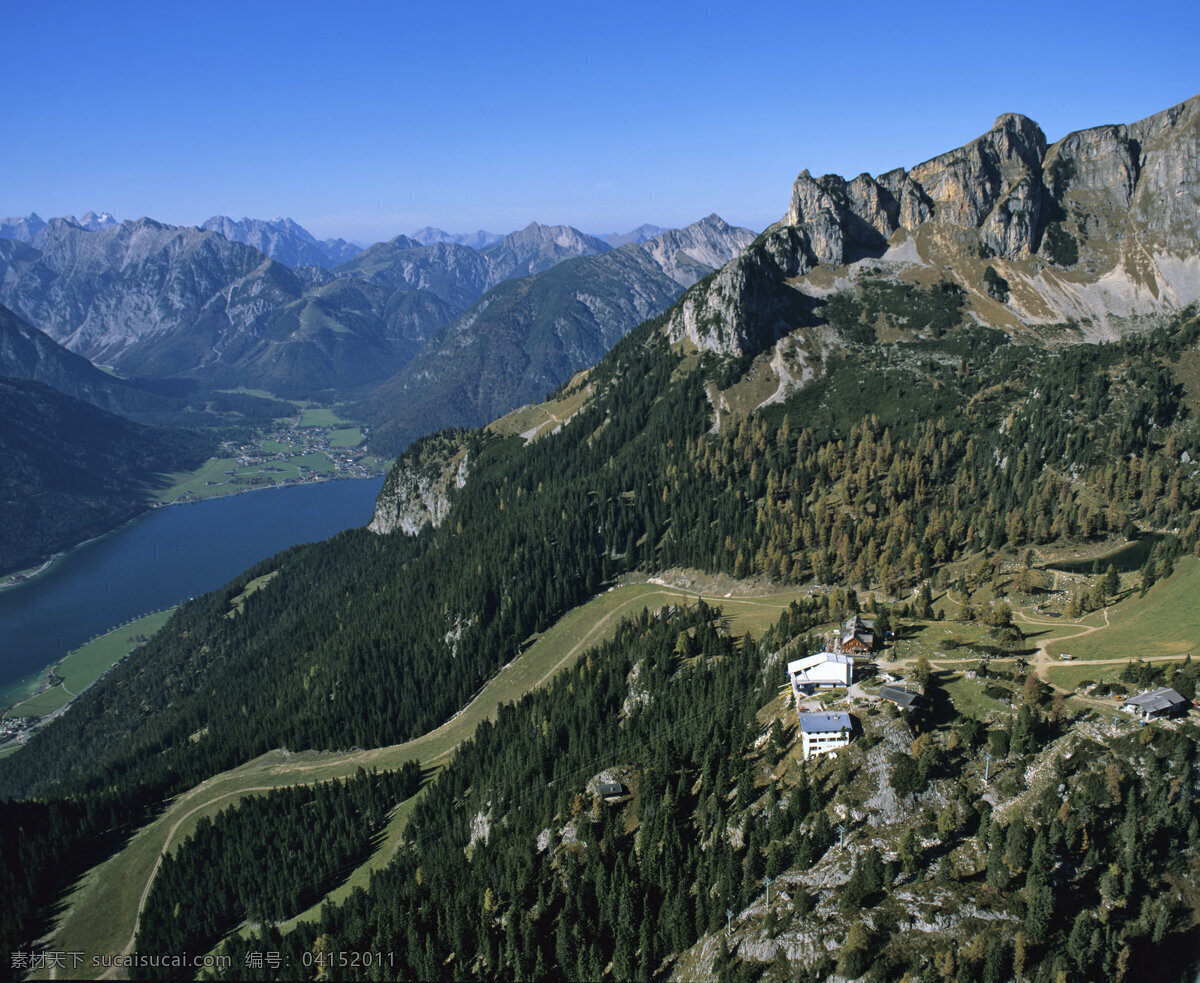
(992, 184)
(420, 486)
(1117, 206)
(843, 220)
(967, 185)
(746, 306)
(1166, 196)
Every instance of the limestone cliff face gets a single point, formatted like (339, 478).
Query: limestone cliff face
(421, 484)
(1008, 185)
(992, 184)
(1166, 196)
(844, 219)
(989, 179)
(1103, 224)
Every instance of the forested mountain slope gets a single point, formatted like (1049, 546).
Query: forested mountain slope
(877, 477)
(73, 471)
(28, 353)
(725, 855)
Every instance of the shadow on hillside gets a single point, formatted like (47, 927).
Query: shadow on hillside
(79, 863)
(937, 710)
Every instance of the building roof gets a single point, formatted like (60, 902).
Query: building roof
(820, 659)
(824, 723)
(859, 624)
(901, 697)
(1159, 699)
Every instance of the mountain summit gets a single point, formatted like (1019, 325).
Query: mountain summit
(1088, 232)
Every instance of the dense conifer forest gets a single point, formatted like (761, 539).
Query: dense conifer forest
(266, 859)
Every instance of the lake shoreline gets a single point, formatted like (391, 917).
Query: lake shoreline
(158, 559)
(20, 578)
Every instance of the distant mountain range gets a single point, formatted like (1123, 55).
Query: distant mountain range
(482, 239)
(24, 229)
(526, 336)
(451, 335)
(640, 234)
(257, 304)
(284, 241)
(476, 240)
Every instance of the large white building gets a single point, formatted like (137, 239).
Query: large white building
(821, 732)
(825, 670)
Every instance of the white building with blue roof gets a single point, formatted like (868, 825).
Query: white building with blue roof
(821, 732)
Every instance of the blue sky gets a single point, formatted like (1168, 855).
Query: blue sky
(369, 119)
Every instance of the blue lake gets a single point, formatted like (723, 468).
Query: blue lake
(164, 557)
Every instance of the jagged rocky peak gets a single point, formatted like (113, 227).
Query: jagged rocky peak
(843, 218)
(284, 240)
(1119, 200)
(967, 184)
(992, 184)
(93, 221)
(1009, 186)
(22, 228)
(538, 247)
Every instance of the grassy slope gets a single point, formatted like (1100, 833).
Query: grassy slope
(1166, 622)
